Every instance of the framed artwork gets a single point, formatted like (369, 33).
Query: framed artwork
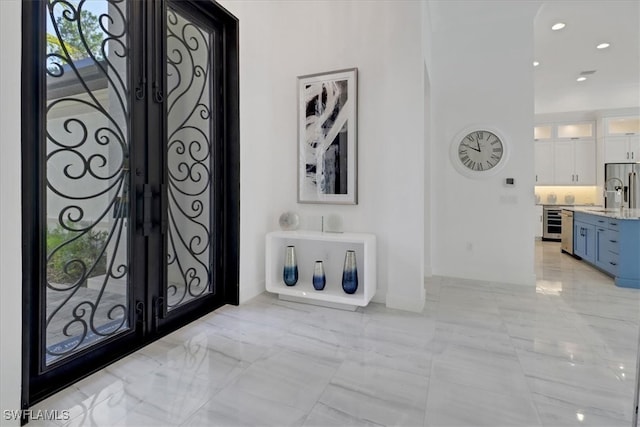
(327, 137)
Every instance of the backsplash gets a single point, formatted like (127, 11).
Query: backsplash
(568, 195)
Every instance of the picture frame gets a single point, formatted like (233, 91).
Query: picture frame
(327, 137)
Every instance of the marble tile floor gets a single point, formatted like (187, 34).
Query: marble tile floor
(480, 354)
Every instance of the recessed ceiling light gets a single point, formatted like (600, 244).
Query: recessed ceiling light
(558, 26)
(603, 46)
(536, 63)
(581, 79)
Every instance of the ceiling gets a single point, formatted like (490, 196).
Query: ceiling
(564, 54)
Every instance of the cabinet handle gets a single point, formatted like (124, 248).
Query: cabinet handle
(572, 178)
(632, 154)
(627, 155)
(612, 263)
(600, 220)
(613, 241)
(577, 178)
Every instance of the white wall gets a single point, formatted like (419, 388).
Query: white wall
(427, 46)
(481, 73)
(10, 212)
(280, 40)
(428, 177)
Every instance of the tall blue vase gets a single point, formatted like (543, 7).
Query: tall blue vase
(350, 273)
(290, 271)
(319, 279)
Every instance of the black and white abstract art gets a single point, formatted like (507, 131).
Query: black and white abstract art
(327, 115)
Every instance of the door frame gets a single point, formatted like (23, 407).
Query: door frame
(37, 385)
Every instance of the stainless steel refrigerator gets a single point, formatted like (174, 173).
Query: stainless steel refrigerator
(622, 185)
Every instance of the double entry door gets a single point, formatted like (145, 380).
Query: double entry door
(130, 178)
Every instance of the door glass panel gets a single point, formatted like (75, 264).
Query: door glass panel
(87, 175)
(189, 160)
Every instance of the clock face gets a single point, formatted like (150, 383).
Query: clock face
(480, 150)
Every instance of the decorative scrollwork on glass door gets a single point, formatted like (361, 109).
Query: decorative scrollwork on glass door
(189, 160)
(87, 174)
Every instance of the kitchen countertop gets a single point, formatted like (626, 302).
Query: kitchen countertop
(608, 212)
(562, 205)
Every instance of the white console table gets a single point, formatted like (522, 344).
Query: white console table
(330, 248)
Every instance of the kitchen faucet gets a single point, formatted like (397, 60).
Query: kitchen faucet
(618, 189)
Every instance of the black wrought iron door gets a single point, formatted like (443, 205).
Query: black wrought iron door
(130, 152)
(190, 109)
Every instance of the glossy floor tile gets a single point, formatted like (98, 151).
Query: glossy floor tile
(480, 354)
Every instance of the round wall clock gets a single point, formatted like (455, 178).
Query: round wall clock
(479, 152)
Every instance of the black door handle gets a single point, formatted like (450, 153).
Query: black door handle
(147, 199)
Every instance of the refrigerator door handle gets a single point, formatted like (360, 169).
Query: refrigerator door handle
(633, 203)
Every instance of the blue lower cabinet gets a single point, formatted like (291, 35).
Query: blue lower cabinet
(585, 241)
(628, 274)
(601, 258)
(614, 260)
(579, 239)
(612, 245)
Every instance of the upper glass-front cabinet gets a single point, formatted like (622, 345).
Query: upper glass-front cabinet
(622, 126)
(576, 130)
(567, 130)
(541, 132)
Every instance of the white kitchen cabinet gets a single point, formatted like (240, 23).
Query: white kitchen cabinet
(543, 132)
(622, 139)
(622, 149)
(574, 162)
(565, 153)
(584, 157)
(537, 220)
(563, 168)
(575, 130)
(619, 126)
(543, 154)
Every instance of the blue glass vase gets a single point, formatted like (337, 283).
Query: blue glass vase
(319, 279)
(290, 271)
(350, 273)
